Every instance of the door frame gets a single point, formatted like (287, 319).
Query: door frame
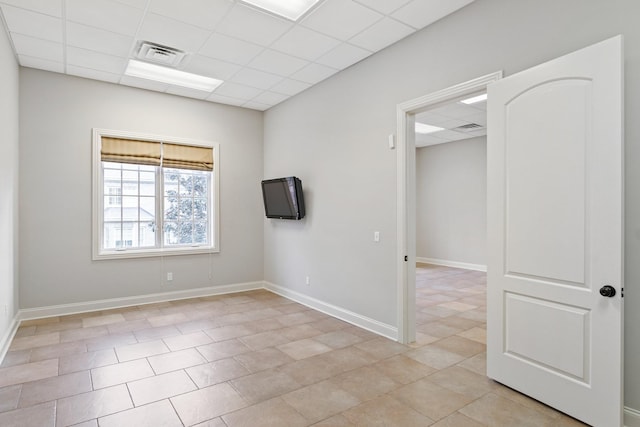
(406, 195)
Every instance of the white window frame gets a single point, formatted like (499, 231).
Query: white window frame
(98, 200)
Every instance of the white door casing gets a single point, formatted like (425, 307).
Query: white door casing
(555, 233)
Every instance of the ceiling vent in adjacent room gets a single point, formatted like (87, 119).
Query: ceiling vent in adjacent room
(163, 55)
(469, 127)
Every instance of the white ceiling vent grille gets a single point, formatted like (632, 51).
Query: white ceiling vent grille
(469, 127)
(159, 54)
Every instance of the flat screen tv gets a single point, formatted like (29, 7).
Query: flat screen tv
(283, 198)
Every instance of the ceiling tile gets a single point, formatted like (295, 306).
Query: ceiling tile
(314, 73)
(290, 87)
(256, 106)
(420, 13)
(189, 93)
(384, 6)
(251, 25)
(92, 74)
(98, 40)
(33, 24)
(341, 19)
(38, 48)
(202, 13)
(225, 100)
(230, 49)
(140, 4)
(105, 14)
(343, 56)
(270, 98)
(143, 83)
(277, 63)
(256, 78)
(381, 34)
(237, 91)
(305, 43)
(41, 64)
(51, 7)
(210, 67)
(169, 32)
(426, 140)
(96, 61)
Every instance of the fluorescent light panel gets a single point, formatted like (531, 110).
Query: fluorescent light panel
(144, 70)
(290, 9)
(475, 99)
(424, 128)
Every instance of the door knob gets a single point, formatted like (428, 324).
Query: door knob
(607, 291)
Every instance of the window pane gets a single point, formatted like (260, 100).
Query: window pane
(130, 208)
(200, 209)
(171, 210)
(147, 234)
(147, 183)
(186, 210)
(171, 233)
(185, 231)
(147, 208)
(111, 235)
(186, 185)
(200, 233)
(130, 182)
(111, 165)
(112, 175)
(200, 186)
(111, 213)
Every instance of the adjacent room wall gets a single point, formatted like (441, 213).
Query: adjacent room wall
(451, 202)
(334, 136)
(8, 186)
(57, 114)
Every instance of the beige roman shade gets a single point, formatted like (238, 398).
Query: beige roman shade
(156, 154)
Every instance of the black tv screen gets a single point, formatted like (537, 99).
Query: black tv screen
(283, 198)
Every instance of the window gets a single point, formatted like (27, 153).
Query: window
(153, 195)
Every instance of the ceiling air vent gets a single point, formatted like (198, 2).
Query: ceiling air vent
(159, 54)
(469, 127)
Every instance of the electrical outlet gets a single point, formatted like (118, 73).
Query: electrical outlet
(169, 277)
(376, 236)
(307, 281)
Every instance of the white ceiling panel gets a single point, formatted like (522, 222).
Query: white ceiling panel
(201, 13)
(248, 24)
(343, 56)
(277, 63)
(314, 73)
(420, 13)
(230, 49)
(95, 60)
(33, 24)
(341, 19)
(98, 40)
(384, 6)
(41, 64)
(256, 78)
(252, 51)
(38, 48)
(290, 87)
(237, 91)
(211, 67)
(105, 14)
(305, 43)
(381, 34)
(169, 32)
(92, 74)
(51, 7)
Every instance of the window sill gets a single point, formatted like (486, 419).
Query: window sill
(155, 252)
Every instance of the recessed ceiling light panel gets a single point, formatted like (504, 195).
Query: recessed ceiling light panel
(424, 128)
(290, 9)
(144, 70)
(475, 99)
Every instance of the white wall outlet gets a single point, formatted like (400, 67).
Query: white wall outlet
(307, 280)
(392, 141)
(376, 236)
(169, 277)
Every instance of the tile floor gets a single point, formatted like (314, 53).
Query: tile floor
(257, 359)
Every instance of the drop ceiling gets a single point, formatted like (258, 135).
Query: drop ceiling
(460, 121)
(262, 59)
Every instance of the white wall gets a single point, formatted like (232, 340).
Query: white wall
(8, 185)
(334, 136)
(57, 114)
(451, 201)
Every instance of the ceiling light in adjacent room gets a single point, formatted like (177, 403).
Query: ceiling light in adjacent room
(144, 70)
(475, 99)
(290, 9)
(423, 128)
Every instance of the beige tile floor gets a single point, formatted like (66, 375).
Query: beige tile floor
(257, 359)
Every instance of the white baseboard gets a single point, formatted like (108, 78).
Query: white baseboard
(356, 319)
(631, 417)
(107, 304)
(454, 264)
(5, 341)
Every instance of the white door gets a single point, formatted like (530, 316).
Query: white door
(554, 160)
